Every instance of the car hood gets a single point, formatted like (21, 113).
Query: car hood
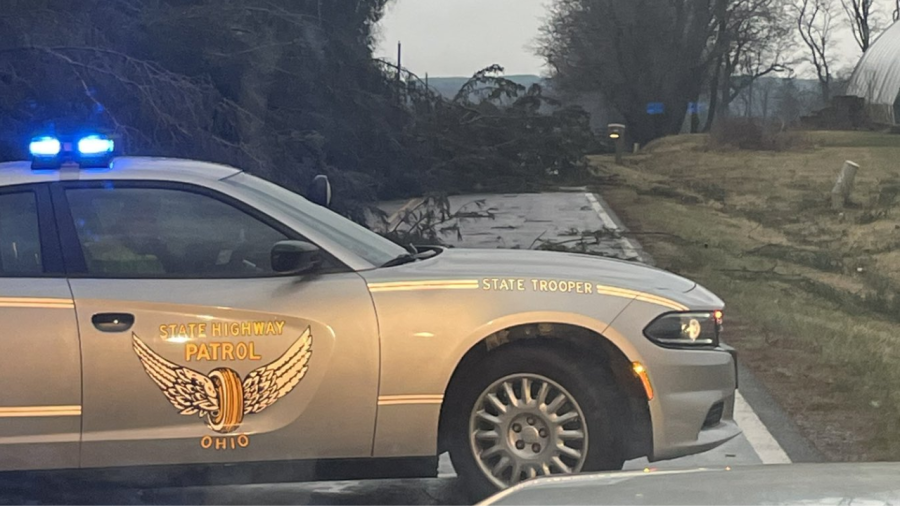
(484, 263)
(792, 484)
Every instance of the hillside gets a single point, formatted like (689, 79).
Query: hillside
(813, 295)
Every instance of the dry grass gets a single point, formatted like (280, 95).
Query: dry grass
(811, 292)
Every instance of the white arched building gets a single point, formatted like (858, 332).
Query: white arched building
(877, 77)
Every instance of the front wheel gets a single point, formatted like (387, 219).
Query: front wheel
(531, 411)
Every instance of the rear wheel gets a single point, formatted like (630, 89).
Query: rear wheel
(532, 410)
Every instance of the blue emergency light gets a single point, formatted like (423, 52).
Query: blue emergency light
(45, 147)
(95, 145)
(88, 152)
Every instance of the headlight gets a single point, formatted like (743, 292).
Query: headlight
(688, 330)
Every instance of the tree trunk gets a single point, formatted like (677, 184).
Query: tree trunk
(826, 93)
(713, 96)
(677, 105)
(640, 125)
(750, 101)
(725, 91)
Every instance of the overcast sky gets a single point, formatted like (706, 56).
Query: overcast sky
(460, 37)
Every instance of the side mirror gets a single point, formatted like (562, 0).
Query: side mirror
(295, 257)
(319, 191)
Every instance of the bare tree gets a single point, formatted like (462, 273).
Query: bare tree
(766, 92)
(752, 39)
(862, 21)
(789, 103)
(633, 55)
(815, 21)
(754, 92)
(756, 99)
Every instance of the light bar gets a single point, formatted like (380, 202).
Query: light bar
(92, 151)
(45, 147)
(96, 145)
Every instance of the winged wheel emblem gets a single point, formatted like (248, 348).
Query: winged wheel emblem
(221, 397)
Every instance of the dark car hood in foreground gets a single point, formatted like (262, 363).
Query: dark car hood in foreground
(792, 484)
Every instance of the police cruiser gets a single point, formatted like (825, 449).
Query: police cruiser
(170, 312)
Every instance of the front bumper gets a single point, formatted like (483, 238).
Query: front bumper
(692, 409)
(692, 387)
(669, 443)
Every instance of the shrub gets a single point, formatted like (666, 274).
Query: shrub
(749, 134)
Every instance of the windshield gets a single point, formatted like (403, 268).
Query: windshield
(361, 241)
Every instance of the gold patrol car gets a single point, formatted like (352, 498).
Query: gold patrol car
(160, 311)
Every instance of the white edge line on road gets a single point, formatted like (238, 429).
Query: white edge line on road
(628, 247)
(761, 440)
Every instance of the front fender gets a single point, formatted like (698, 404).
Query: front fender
(426, 333)
(537, 317)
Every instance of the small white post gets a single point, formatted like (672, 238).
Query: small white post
(844, 185)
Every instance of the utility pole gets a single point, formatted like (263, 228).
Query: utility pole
(399, 62)
(399, 72)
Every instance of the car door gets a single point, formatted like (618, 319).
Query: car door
(194, 349)
(40, 363)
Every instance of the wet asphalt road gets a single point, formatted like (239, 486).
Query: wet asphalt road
(420, 491)
(446, 489)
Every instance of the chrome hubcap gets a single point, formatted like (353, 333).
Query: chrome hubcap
(526, 425)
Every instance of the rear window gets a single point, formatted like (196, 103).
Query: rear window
(20, 239)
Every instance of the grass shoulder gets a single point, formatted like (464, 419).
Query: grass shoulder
(813, 294)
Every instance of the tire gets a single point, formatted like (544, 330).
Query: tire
(589, 384)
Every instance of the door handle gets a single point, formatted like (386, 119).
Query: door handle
(113, 322)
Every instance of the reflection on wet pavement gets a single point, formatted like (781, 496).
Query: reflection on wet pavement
(406, 491)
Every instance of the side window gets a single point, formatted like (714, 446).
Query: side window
(20, 238)
(152, 232)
